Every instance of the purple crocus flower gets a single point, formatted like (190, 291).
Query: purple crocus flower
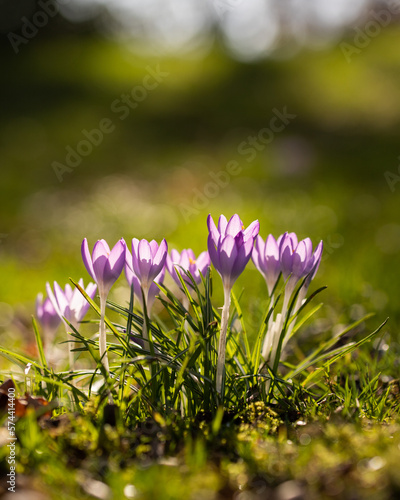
(46, 314)
(148, 259)
(70, 304)
(230, 246)
(297, 262)
(133, 280)
(188, 262)
(104, 265)
(266, 259)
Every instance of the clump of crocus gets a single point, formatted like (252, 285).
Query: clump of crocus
(148, 260)
(71, 305)
(296, 261)
(230, 247)
(104, 266)
(177, 263)
(48, 318)
(134, 282)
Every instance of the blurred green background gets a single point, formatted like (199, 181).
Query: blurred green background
(154, 174)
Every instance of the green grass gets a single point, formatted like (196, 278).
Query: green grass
(331, 411)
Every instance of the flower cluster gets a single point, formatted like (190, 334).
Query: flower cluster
(230, 247)
(295, 261)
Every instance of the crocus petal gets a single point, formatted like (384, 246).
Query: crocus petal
(99, 259)
(213, 230)
(145, 261)
(293, 237)
(153, 247)
(91, 290)
(84, 305)
(309, 258)
(87, 259)
(50, 319)
(185, 259)
(255, 257)
(135, 262)
(227, 255)
(271, 247)
(135, 245)
(252, 231)
(53, 300)
(242, 258)
(39, 306)
(203, 262)
(299, 259)
(76, 300)
(235, 225)
(128, 258)
(317, 259)
(61, 299)
(214, 256)
(68, 292)
(161, 255)
(266, 258)
(222, 224)
(286, 256)
(175, 256)
(129, 274)
(115, 263)
(169, 264)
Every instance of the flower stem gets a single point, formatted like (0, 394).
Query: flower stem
(102, 335)
(222, 338)
(145, 333)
